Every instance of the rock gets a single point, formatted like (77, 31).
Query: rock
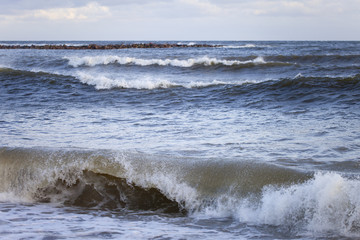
(108, 46)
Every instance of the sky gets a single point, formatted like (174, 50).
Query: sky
(180, 20)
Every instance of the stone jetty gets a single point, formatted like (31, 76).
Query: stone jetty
(108, 46)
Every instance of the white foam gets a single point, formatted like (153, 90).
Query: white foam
(249, 45)
(103, 82)
(328, 202)
(92, 61)
(11, 197)
(186, 43)
(299, 75)
(163, 175)
(5, 67)
(204, 84)
(240, 46)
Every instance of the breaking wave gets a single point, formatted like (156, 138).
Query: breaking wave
(328, 202)
(297, 82)
(249, 45)
(104, 82)
(248, 191)
(205, 61)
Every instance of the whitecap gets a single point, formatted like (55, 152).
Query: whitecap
(328, 202)
(92, 61)
(104, 82)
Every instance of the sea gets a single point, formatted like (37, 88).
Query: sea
(240, 140)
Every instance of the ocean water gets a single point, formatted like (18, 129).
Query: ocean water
(243, 140)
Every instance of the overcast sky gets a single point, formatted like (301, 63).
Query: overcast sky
(180, 20)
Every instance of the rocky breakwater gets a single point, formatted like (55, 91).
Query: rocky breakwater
(108, 46)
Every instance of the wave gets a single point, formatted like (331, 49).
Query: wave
(249, 45)
(51, 78)
(186, 43)
(300, 81)
(84, 178)
(102, 81)
(13, 71)
(105, 83)
(187, 181)
(185, 63)
(326, 59)
(297, 82)
(248, 191)
(324, 62)
(328, 203)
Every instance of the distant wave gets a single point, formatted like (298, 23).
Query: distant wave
(205, 61)
(186, 43)
(277, 60)
(248, 45)
(333, 59)
(41, 75)
(32, 72)
(102, 82)
(240, 46)
(297, 82)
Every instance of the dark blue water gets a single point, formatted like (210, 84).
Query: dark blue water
(248, 140)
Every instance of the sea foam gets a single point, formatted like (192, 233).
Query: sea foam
(327, 202)
(101, 82)
(104, 82)
(92, 61)
(240, 46)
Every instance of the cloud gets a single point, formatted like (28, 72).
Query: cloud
(293, 8)
(15, 6)
(180, 19)
(203, 6)
(139, 9)
(91, 11)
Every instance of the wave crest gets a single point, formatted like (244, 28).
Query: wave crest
(92, 179)
(328, 202)
(249, 45)
(103, 82)
(205, 61)
(251, 192)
